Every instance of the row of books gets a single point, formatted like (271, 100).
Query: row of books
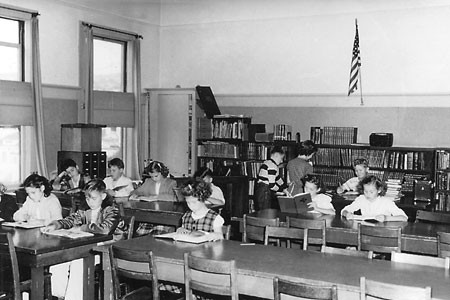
(334, 135)
(218, 149)
(442, 160)
(392, 159)
(255, 151)
(282, 132)
(394, 188)
(226, 129)
(442, 180)
(442, 201)
(250, 168)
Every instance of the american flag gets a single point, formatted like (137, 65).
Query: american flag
(356, 63)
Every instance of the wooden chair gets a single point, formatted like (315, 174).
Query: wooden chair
(314, 230)
(347, 252)
(121, 259)
(379, 239)
(226, 230)
(432, 217)
(443, 244)
(303, 290)
(388, 291)
(421, 260)
(254, 228)
(222, 275)
(283, 233)
(9, 275)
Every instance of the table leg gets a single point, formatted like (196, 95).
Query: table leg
(37, 284)
(89, 277)
(107, 277)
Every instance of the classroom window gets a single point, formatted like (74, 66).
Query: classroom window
(10, 155)
(109, 65)
(112, 142)
(11, 50)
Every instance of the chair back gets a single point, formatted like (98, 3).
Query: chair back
(278, 234)
(388, 291)
(226, 230)
(421, 260)
(9, 275)
(315, 230)
(379, 239)
(254, 228)
(135, 265)
(303, 290)
(347, 252)
(432, 217)
(222, 276)
(443, 239)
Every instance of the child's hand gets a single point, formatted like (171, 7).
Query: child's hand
(347, 215)
(287, 193)
(49, 227)
(312, 205)
(340, 190)
(380, 218)
(182, 230)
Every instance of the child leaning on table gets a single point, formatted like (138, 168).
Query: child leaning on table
(361, 168)
(40, 204)
(319, 201)
(101, 218)
(373, 203)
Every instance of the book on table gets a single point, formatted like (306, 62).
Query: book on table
(295, 204)
(195, 237)
(369, 219)
(72, 233)
(120, 187)
(25, 224)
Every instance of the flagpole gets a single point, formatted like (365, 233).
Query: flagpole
(359, 73)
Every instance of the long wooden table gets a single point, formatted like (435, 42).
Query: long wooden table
(37, 250)
(416, 237)
(258, 265)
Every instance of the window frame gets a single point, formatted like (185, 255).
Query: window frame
(20, 46)
(20, 148)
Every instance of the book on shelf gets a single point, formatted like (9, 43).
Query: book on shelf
(334, 135)
(195, 237)
(72, 233)
(25, 224)
(282, 132)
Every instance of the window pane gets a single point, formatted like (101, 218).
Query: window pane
(108, 66)
(10, 31)
(9, 60)
(112, 142)
(10, 155)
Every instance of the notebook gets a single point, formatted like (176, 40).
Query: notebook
(296, 204)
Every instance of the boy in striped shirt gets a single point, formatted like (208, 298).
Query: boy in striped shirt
(269, 181)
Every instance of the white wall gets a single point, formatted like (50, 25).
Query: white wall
(303, 47)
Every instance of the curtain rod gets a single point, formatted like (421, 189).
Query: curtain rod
(33, 13)
(114, 30)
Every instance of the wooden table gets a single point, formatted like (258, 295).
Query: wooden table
(37, 250)
(416, 237)
(258, 264)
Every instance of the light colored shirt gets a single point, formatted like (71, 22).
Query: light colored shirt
(123, 192)
(47, 209)
(323, 201)
(217, 193)
(351, 184)
(217, 223)
(380, 206)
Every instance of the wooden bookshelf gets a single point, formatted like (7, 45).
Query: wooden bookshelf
(442, 180)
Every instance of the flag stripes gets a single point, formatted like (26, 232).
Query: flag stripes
(356, 63)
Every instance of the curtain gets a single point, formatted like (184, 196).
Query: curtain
(86, 70)
(36, 86)
(133, 137)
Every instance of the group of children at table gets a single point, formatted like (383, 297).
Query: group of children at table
(371, 202)
(102, 216)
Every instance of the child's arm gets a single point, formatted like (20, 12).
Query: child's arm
(54, 225)
(23, 213)
(75, 219)
(111, 219)
(348, 210)
(384, 218)
(217, 234)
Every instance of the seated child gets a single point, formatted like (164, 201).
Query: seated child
(101, 218)
(70, 178)
(40, 204)
(117, 185)
(8, 204)
(216, 193)
(373, 204)
(320, 202)
(361, 167)
(158, 187)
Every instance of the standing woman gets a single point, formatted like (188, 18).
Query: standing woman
(300, 166)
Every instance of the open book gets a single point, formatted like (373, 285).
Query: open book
(195, 237)
(73, 233)
(296, 204)
(25, 224)
(363, 218)
(118, 188)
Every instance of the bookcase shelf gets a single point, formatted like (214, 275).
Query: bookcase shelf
(442, 180)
